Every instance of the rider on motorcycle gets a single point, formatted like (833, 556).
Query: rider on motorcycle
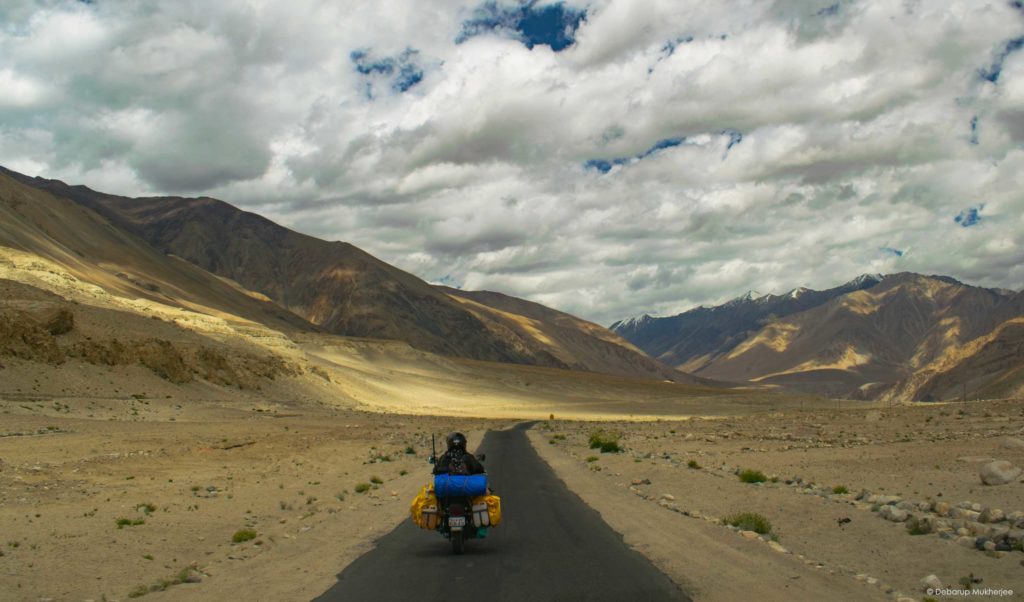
(456, 460)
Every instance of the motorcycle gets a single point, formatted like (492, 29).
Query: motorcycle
(459, 519)
(457, 523)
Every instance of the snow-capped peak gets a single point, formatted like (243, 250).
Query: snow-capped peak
(866, 280)
(633, 322)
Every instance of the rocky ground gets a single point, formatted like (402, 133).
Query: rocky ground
(889, 499)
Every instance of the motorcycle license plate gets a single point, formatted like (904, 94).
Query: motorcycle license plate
(457, 521)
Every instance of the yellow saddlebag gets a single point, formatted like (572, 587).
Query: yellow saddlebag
(424, 508)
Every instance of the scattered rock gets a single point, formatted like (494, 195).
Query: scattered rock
(992, 515)
(894, 514)
(999, 472)
(931, 582)
(668, 497)
(749, 534)
(1012, 443)
(777, 547)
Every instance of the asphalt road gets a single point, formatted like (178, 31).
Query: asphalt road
(550, 546)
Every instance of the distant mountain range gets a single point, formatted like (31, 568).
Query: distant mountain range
(900, 336)
(208, 254)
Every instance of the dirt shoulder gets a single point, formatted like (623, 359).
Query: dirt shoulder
(829, 545)
(709, 562)
(111, 499)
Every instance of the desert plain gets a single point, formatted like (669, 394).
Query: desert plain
(169, 451)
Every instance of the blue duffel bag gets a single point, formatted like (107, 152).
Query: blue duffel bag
(457, 485)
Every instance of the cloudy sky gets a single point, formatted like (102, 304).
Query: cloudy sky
(608, 158)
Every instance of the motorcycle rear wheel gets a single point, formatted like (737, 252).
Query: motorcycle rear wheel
(457, 541)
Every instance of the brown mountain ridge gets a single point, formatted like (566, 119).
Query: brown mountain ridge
(337, 287)
(904, 336)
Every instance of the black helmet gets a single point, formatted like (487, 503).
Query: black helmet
(457, 441)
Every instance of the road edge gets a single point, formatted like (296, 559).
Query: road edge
(708, 562)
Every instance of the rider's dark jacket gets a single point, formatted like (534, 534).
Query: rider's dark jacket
(456, 461)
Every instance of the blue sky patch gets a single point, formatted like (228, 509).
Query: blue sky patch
(735, 137)
(828, 11)
(670, 46)
(970, 216)
(400, 72)
(532, 22)
(605, 165)
(892, 251)
(993, 71)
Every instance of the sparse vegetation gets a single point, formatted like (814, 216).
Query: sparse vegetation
(146, 508)
(752, 476)
(128, 522)
(693, 464)
(376, 480)
(410, 450)
(916, 526)
(243, 535)
(362, 487)
(605, 441)
(750, 521)
(840, 490)
(185, 575)
(592, 458)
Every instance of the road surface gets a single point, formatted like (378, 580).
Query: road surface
(550, 546)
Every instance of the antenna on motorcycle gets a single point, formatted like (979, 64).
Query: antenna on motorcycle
(433, 450)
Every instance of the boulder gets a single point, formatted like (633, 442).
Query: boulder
(992, 515)
(893, 514)
(999, 472)
(931, 582)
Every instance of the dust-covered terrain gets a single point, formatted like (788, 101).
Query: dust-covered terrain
(883, 498)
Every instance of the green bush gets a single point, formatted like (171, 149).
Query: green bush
(693, 464)
(752, 476)
(362, 487)
(840, 489)
(376, 480)
(243, 535)
(592, 458)
(127, 522)
(750, 521)
(605, 441)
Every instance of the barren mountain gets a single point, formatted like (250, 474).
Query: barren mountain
(694, 339)
(346, 291)
(864, 341)
(576, 342)
(96, 252)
